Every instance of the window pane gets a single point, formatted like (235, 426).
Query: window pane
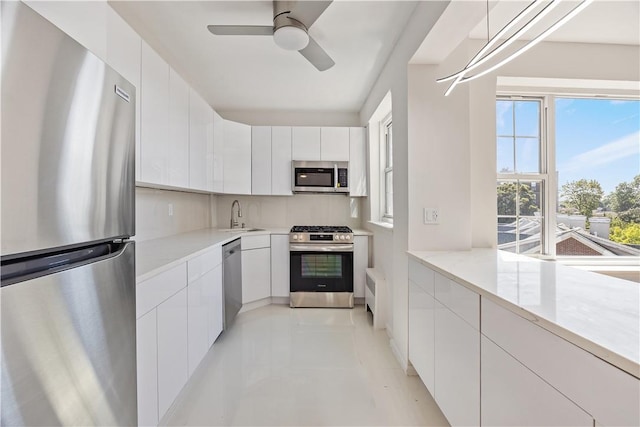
(389, 161)
(527, 155)
(505, 155)
(527, 118)
(530, 199)
(507, 198)
(388, 206)
(504, 118)
(598, 169)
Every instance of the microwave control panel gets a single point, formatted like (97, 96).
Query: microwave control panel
(343, 178)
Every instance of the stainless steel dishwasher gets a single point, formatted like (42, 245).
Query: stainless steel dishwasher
(232, 286)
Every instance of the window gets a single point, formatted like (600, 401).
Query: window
(386, 161)
(591, 202)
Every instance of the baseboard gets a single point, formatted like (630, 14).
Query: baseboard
(255, 304)
(396, 352)
(280, 300)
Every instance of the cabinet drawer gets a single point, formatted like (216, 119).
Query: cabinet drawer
(255, 242)
(204, 263)
(460, 300)
(610, 395)
(421, 276)
(154, 291)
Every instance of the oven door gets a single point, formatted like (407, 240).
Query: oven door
(325, 269)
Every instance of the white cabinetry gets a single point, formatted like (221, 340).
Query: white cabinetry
(147, 369)
(178, 144)
(281, 161)
(237, 158)
(154, 98)
(305, 143)
(213, 296)
(261, 160)
(200, 143)
(218, 153)
(173, 370)
(357, 162)
(512, 395)
(256, 268)
(360, 264)
(334, 144)
(422, 323)
(280, 265)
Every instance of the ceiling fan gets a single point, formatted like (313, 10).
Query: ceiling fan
(291, 22)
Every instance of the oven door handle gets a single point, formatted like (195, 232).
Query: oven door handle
(321, 248)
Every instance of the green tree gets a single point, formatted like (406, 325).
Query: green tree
(583, 195)
(507, 199)
(626, 196)
(628, 234)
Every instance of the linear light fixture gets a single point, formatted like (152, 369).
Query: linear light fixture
(478, 59)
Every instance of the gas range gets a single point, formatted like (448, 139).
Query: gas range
(318, 234)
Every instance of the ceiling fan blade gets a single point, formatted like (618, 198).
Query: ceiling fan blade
(317, 56)
(241, 30)
(308, 12)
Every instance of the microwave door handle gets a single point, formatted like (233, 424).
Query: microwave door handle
(335, 176)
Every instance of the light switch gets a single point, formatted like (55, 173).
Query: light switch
(430, 215)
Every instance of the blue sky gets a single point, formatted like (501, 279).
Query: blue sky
(595, 139)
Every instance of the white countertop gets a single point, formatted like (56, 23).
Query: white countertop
(158, 255)
(598, 313)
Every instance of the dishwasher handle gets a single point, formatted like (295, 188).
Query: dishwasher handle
(231, 248)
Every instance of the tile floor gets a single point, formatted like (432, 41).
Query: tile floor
(278, 366)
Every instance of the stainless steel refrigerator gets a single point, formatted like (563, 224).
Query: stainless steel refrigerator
(67, 205)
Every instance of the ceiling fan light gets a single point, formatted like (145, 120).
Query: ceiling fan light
(291, 38)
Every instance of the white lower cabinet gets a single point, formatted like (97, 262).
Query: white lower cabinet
(280, 265)
(360, 264)
(198, 333)
(213, 296)
(173, 366)
(512, 395)
(422, 334)
(256, 274)
(147, 371)
(457, 368)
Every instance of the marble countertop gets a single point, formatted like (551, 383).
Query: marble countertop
(598, 313)
(158, 255)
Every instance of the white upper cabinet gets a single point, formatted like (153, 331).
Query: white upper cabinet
(237, 158)
(178, 146)
(334, 144)
(305, 144)
(154, 98)
(281, 161)
(218, 153)
(200, 143)
(261, 160)
(357, 162)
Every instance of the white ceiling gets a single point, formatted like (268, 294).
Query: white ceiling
(250, 72)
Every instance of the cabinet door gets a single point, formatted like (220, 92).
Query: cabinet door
(256, 274)
(457, 368)
(178, 146)
(123, 55)
(422, 334)
(280, 265)
(198, 334)
(237, 158)
(305, 143)
(512, 395)
(213, 295)
(147, 369)
(198, 120)
(357, 162)
(261, 160)
(360, 264)
(281, 161)
(218, 153)
(154, 117)
(334, 144)
(173, 365)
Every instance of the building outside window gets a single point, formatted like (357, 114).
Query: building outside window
(386, 154)
(590, 205)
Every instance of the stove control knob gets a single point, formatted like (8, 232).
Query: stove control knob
(348, 237)
(295, 237)
(342, 237)
(336, 237)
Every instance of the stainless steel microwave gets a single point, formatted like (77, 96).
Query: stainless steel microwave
(320, 177)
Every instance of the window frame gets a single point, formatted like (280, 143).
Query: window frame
(386, 124)
(548, 162)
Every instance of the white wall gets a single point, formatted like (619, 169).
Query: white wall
(191, 211)
(286, 211)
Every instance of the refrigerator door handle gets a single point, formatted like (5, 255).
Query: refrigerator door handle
(31, 267)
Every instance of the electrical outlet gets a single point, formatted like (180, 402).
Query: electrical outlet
(430, 216)
(170, 209)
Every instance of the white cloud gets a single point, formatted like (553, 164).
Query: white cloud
(624, 147)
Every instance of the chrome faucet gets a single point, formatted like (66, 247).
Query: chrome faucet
(234, 224)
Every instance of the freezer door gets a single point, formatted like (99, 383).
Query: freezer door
(69, 346)
(68, 132)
